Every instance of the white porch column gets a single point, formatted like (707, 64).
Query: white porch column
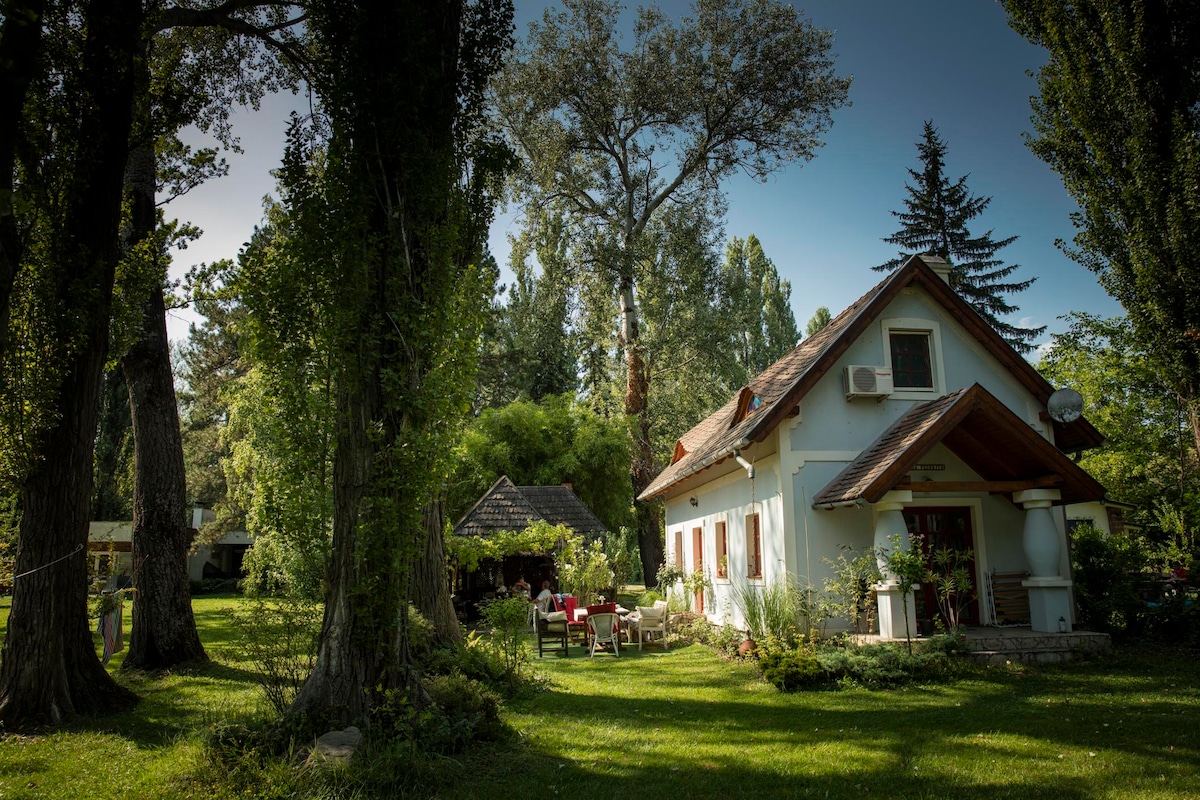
(889, 522)
(1049, 591)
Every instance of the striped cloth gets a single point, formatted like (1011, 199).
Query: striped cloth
(109, 628)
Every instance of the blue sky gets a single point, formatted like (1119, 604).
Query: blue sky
(955, 62)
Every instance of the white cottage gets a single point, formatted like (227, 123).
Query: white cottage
(906, 413)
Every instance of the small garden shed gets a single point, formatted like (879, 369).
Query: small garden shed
(508, 507)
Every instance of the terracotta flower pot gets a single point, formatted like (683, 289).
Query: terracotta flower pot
(746, 648)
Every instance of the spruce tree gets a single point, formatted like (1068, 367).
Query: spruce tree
(935, 223)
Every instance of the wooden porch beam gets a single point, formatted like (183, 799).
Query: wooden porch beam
(995, 487)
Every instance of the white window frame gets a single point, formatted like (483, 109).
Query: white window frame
(936, 366)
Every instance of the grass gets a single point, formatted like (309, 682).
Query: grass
(685, 722)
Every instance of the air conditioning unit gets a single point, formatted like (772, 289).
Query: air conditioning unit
(864, 381)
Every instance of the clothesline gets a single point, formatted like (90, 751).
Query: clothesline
(51, 564)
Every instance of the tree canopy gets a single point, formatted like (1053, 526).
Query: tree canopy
(1118, 118)
(1148, 457)
(611, 134)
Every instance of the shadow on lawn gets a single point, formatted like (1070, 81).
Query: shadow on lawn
(996, 718)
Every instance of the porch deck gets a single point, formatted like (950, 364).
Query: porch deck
(1023, 645)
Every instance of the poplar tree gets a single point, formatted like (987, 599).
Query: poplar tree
(934, 222)
(395, 225)
(612, 135)
(1118, 118)
(761, 323)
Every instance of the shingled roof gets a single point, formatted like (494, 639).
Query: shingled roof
(781, 386)
(979, 429)
(507, 507)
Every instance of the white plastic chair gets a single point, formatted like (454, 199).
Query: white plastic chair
(605, 629)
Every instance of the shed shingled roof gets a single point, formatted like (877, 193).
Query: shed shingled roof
(782, 385)
(508, 507)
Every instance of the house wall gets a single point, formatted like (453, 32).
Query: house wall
(222, 554)
(830, 432)
(730, 498)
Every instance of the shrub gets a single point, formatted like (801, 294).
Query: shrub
(583, 571)
(649, 597)
(280, 639)
(469, 711)
(780, 609)
(507, 619)
(789, 670)
(849, 588)
(1106, 569)
(884, 665)
(1175, 620)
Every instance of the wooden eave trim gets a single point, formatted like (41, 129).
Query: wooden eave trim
(977, 398)
(993, 487)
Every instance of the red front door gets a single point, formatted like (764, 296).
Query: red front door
(949, 529)
(698, 566)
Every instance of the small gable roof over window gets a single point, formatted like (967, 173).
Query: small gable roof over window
(507, 507)
(781, 386)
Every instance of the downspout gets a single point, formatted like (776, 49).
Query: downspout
(746, 465)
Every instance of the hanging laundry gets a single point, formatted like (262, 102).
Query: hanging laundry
(109, 626)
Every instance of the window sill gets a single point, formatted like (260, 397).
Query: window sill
(909, 393)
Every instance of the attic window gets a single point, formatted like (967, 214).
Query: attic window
(911, 366)
(754, 404)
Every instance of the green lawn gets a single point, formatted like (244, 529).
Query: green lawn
(686, 722)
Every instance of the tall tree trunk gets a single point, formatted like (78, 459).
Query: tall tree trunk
(393, 112)
(50, 670)
(20, 62)
(431, 583)
(164, 629)
(637, 410)
(363, 647)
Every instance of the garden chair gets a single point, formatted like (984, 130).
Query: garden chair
(577, 628)
(605, 628)
(652, 619)
(551, 632)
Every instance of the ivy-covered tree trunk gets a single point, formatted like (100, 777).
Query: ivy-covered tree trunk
(637, 410)
(431, 583)
(50, 670)
(409, 232)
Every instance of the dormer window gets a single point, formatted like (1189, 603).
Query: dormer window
(748, 403)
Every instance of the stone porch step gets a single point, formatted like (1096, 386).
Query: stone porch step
(1022, 645)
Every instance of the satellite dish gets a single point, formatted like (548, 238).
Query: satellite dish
(1065, 405)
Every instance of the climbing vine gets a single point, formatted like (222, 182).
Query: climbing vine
(540, 538)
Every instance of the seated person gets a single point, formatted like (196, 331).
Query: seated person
(520, 588)
(544, 597)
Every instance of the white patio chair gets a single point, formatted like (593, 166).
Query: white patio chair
(605, 629)
(652, 619)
